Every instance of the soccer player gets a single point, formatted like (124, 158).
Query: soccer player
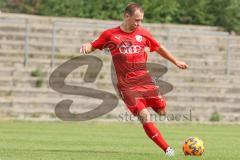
(136, 87)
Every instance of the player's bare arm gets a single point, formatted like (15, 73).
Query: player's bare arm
(87, 48)
(167, 55)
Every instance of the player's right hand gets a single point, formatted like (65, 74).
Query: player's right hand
(86, 48)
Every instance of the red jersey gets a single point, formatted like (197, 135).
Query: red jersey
(129, 56)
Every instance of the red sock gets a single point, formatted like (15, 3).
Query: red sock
(155, 135)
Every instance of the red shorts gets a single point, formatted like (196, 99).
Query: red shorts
(137, 103)
(156, 103)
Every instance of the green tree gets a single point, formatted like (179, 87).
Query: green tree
(193, 12)
(160, 10)
(225, 13)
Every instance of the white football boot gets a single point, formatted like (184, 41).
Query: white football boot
(170, 152)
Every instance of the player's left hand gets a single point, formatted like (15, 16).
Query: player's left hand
(181, 64)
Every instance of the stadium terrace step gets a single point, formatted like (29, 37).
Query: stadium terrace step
(35, 46)
(199, 97)
(235, 55)
(156, 26)
(196, 55)
(221, 70)
(197, 110)
(205, 41)
(204, 111)
(13, 28)
(187, 82)
(37, 54)
(37, 107)
(179, 87)
(175, 107)
(186, 46)
(178, 94)
(32, 62)
(196, 52)
(26, 92)
(22, 82)
(46, 37)
(199, 70)
(26, 72)
(21, 71)
(202, 78)
(206, 88)
(23, 78)
(235, 64)
(74, 47)
(232, 116)
(33, 92)
(204, 62)
(37, 82)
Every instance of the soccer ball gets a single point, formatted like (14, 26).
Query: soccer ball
(193, 146)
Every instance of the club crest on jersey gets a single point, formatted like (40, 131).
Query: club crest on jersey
(138, 38)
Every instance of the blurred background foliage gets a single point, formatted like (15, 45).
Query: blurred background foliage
(224, 13)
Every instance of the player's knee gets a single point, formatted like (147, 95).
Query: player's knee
(161, 112)
(144, 116)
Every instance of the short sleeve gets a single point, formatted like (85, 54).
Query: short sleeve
(152, 43)
(100, 41)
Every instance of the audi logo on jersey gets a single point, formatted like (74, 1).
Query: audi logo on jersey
(130, 49)
(125, 47)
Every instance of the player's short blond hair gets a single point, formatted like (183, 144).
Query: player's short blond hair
(131, 8)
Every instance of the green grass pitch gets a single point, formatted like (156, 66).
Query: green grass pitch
(110, 141)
